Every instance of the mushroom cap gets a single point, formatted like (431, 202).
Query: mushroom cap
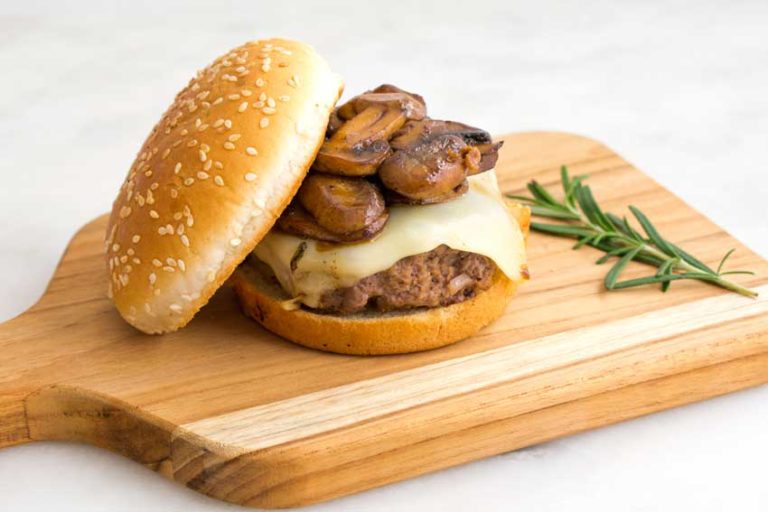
(213, 176)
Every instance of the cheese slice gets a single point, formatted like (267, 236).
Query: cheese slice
(477, 222)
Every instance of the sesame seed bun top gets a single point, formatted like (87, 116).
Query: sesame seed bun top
(213, 176)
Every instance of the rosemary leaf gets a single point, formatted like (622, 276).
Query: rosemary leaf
(580, 216)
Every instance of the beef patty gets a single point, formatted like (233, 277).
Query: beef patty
(440, 277)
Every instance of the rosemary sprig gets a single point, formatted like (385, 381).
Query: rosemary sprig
(579, 216)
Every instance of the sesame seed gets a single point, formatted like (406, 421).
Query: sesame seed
(174, 193)
(263, 96)
(258, 104)
(202, 175)
(148, 173)
(136, 239)
(268, 110)
(271, 102)
(265, 67)
(177, 216)
(202, 155)
(154, 186)
(250, 177)
(229, 145)
(152, 278)
(259, 82)
(263, 122)
(202, 127)
(183, 132)
(251, 151)
(182, 265)
(218, 164)
(131, 251)
(228, 123)
(242, 107)
(198, 122)
(175, 308)
(246, 92)
(284, 98)
(208, 164)
(233, 97)
(189, 181)
(136, 261)
(170, 261)
(205, 147)
(161, 230)
(185, 240)
(235, 242)
(180, 229)
(211, 277)
(234, 137)
(218, 123)
(156, 262)
(154, 214)
(218, 100)
(125, 211)
(168, 268)
(169, 229)
(123, 259)
(166, 153)
(192, 143)
(218, 180)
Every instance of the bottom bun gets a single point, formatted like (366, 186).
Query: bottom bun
(370, 333)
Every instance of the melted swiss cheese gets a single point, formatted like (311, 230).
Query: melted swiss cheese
(477, 222)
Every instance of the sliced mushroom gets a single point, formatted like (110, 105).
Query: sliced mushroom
(340, 204)
(490, 155)
(394, 88)
(334, 123)
(296, 220)
(393, 97)
(429, 169)
(395, 198)
(359, 146)
(416, 132)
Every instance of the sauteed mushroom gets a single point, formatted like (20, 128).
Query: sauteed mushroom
(359, 146)
(412, 105)
(296, 220)
(414, 131)
(395, 198)
(429, 168)
(339, 204)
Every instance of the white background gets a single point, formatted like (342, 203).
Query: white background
(678, 88)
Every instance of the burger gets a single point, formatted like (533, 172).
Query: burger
(363, 228)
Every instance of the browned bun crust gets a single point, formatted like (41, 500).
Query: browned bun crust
(213, 176)
(371, 333)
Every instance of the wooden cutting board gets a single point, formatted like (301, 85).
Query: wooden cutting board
(236, 413)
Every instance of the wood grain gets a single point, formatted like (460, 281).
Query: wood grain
(236, 413)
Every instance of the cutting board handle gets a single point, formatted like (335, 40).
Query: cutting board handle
(34, 344)
(20, 355)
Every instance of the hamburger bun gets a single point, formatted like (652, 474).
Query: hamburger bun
(372, 333)
(212, 178)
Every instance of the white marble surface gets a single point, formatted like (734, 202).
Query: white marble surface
(679, 88)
